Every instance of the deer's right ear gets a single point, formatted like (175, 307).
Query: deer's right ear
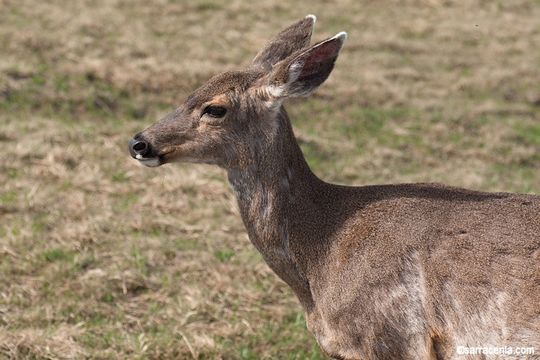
(294, 38)
(304, 71)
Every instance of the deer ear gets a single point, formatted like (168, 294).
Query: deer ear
(295, 37)
(303, 72)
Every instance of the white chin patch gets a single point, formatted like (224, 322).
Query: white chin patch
(150, 162)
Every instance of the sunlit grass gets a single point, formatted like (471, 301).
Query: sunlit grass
(101, 258)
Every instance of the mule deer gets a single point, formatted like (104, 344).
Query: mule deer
(409, 271)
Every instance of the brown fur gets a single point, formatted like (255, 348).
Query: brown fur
(405, 271)
(291, 39)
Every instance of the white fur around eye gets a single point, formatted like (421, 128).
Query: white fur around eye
(211, 120)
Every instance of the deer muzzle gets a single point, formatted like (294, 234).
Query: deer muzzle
(141, 150)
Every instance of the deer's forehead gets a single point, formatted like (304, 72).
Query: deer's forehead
(221, 84)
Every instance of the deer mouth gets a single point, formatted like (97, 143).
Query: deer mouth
(142, 151)
(149, 161)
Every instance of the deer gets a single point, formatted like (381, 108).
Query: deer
(394, 271)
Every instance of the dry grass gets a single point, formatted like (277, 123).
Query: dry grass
(101, 258)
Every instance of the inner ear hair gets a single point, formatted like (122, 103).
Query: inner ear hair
(306, 70)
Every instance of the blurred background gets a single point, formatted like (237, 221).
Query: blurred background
(102, 258)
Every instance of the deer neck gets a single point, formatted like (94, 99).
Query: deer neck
(273, 191)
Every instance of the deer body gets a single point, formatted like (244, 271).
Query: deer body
(395, 271)
(383, 272)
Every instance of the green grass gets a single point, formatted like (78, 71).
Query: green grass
(224, 255)
(56, 255)
(528, 134)
(101, 258)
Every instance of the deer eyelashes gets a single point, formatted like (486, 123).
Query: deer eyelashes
(214, 111)
(213, 114)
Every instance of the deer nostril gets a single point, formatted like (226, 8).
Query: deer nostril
(139, 147)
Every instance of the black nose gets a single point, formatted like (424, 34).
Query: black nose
(138, 147)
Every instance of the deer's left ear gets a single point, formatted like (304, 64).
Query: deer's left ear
(304, 71)
(295, 37)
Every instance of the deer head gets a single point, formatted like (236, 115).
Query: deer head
(220, 122)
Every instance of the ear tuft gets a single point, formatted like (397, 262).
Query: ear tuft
(312, 17)
(341, 36)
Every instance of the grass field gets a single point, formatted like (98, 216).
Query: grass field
(102, 258)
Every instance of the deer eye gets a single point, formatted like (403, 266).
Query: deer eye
(215, 111)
